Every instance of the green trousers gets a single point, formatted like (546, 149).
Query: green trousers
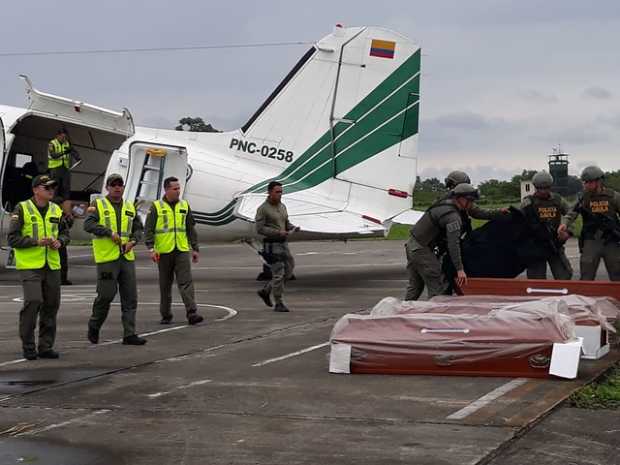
(559, 264)
(176, 264)
(424, 269)
(593, 251)
(119, 275)
(63, 176)
(42, 300)
(282, 266)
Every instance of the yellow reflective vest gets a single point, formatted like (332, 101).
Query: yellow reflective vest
(35, 226)
(62, 148)
(104, 248)
(170, 231)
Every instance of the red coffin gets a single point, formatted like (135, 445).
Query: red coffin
(468, 345)
(540, 287)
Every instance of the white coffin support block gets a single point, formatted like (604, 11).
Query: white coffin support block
(565, 358)
(340, 359)
(595, 341)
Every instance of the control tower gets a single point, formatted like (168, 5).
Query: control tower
(558, 168)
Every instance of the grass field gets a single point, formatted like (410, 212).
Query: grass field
(604, 393)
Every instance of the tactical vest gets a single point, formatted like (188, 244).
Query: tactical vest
(104, 248)
(35, 258)
(59, 148)
(548, 210)
(170, 229)
(427, 231)
(598, 211)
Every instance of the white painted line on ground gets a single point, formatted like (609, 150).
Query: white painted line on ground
(231, 312)
(292, 354)
(160, 331)
(64, 423)
(12, 362)
(487, 399)
(178, 388)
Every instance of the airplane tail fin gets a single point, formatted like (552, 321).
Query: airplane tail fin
(344, 122)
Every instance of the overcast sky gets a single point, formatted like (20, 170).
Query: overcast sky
(502, 81)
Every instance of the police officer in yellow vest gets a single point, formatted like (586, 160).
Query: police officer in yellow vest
(117, 229)
(599, 208)
(170, 234)
(59, 155)
(36, 233)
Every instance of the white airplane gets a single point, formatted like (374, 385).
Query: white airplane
(339, 132)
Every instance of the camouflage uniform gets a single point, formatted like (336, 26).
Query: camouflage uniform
(440, 226)
(270, 220)
(600, 212)
(545, 215)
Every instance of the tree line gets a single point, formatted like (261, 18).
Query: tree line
(494, 189)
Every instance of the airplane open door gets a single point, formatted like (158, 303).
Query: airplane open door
(77, 112)
(149, 165)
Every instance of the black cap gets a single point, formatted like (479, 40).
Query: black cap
(114, 177)
(43, 180)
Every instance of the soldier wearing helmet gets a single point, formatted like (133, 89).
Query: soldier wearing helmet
(455, 178)
(544, 211)
(440, 227)
(599, 208)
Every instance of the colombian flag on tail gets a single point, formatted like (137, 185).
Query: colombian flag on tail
(382, 48)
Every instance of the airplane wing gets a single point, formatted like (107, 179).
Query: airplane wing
(312, 217)
(315, 217)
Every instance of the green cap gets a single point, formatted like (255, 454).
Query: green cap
(44, 180)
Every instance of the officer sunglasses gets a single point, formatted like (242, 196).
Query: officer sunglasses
(116, 184)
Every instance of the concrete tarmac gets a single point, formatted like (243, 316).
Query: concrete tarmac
(249, 386)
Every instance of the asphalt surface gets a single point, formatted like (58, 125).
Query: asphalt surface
(250, 386)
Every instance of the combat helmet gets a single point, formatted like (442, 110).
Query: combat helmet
(465, 190)
(592, 173)
(455, 178)
(542, 180)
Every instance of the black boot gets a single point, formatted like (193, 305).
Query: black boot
(134, 340)
(280, 307)
(93, 335)
(49, 353)
(30, 354)
(193, 318)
